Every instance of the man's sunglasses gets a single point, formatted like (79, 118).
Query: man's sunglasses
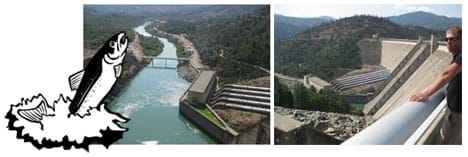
(452, 39)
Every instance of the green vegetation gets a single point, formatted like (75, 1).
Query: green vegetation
(308, 99)
(207, 114)
(152, 46)
(99, 26)
(242, 38)
(322, 58)
(283, 96)
(233, 71)
(180, 51)
(357, 107)
(178, 26)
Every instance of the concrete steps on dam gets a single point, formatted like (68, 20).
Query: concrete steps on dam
(405, 69)
(386, 52)
(242, 102)
(244, 98)
(241, 96)
(359, 80)
(263, 89)
(421, 78)
(360, 76)
(265, 111)
(242, 91)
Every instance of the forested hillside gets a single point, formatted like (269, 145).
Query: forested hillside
(228, 41)
(330, 49)
(99, 26)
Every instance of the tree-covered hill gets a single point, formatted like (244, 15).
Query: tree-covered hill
(243, 38)
(330, 49)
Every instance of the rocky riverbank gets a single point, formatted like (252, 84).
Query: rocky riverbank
(185, 49)
(338, 126)
(186, 72)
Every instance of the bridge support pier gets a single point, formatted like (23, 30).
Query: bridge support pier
(166, 59)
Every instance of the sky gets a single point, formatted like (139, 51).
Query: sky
(382, 10)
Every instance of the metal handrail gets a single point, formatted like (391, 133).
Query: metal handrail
(397, 126)
(426, 124)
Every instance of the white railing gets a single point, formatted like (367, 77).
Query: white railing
(413, 140)
(402, 125)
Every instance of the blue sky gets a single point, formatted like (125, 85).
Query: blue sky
(346, 10)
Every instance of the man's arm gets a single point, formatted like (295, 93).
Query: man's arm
(441, 80)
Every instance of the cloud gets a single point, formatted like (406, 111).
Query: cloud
(410, 8)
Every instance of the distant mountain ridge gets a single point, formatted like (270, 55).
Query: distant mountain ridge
(286, 26)
(303, 21)
(427, 20)
(180, 12)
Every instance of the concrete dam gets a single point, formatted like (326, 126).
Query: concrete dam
(229, 113)
(411, 66)
(398, 121)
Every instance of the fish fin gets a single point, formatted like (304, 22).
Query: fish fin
(75, 79)
(35, 114)
(118, 70)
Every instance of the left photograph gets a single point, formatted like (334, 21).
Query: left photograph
(190, 74)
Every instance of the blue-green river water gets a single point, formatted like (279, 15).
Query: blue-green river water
(151, 101)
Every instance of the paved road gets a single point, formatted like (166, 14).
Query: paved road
(281, 76)
(136, 48)
(195, 60)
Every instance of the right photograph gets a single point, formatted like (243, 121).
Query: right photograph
(367, 74)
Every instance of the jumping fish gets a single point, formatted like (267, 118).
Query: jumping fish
(93, 83)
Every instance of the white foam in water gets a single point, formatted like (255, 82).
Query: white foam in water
(150, 142)
(128, 109)
(191, 128)
(59, 125)
(172, 100)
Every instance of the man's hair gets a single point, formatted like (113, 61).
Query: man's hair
(455, 29)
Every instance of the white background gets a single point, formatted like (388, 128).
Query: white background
(42, 44)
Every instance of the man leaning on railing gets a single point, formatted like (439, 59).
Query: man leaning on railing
(450, 133)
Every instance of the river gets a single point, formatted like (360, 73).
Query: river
(151, 101)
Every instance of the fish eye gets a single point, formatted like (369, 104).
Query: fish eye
(123, 41)
(112, 44)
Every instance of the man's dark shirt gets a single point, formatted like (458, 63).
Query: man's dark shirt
(454, 89)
